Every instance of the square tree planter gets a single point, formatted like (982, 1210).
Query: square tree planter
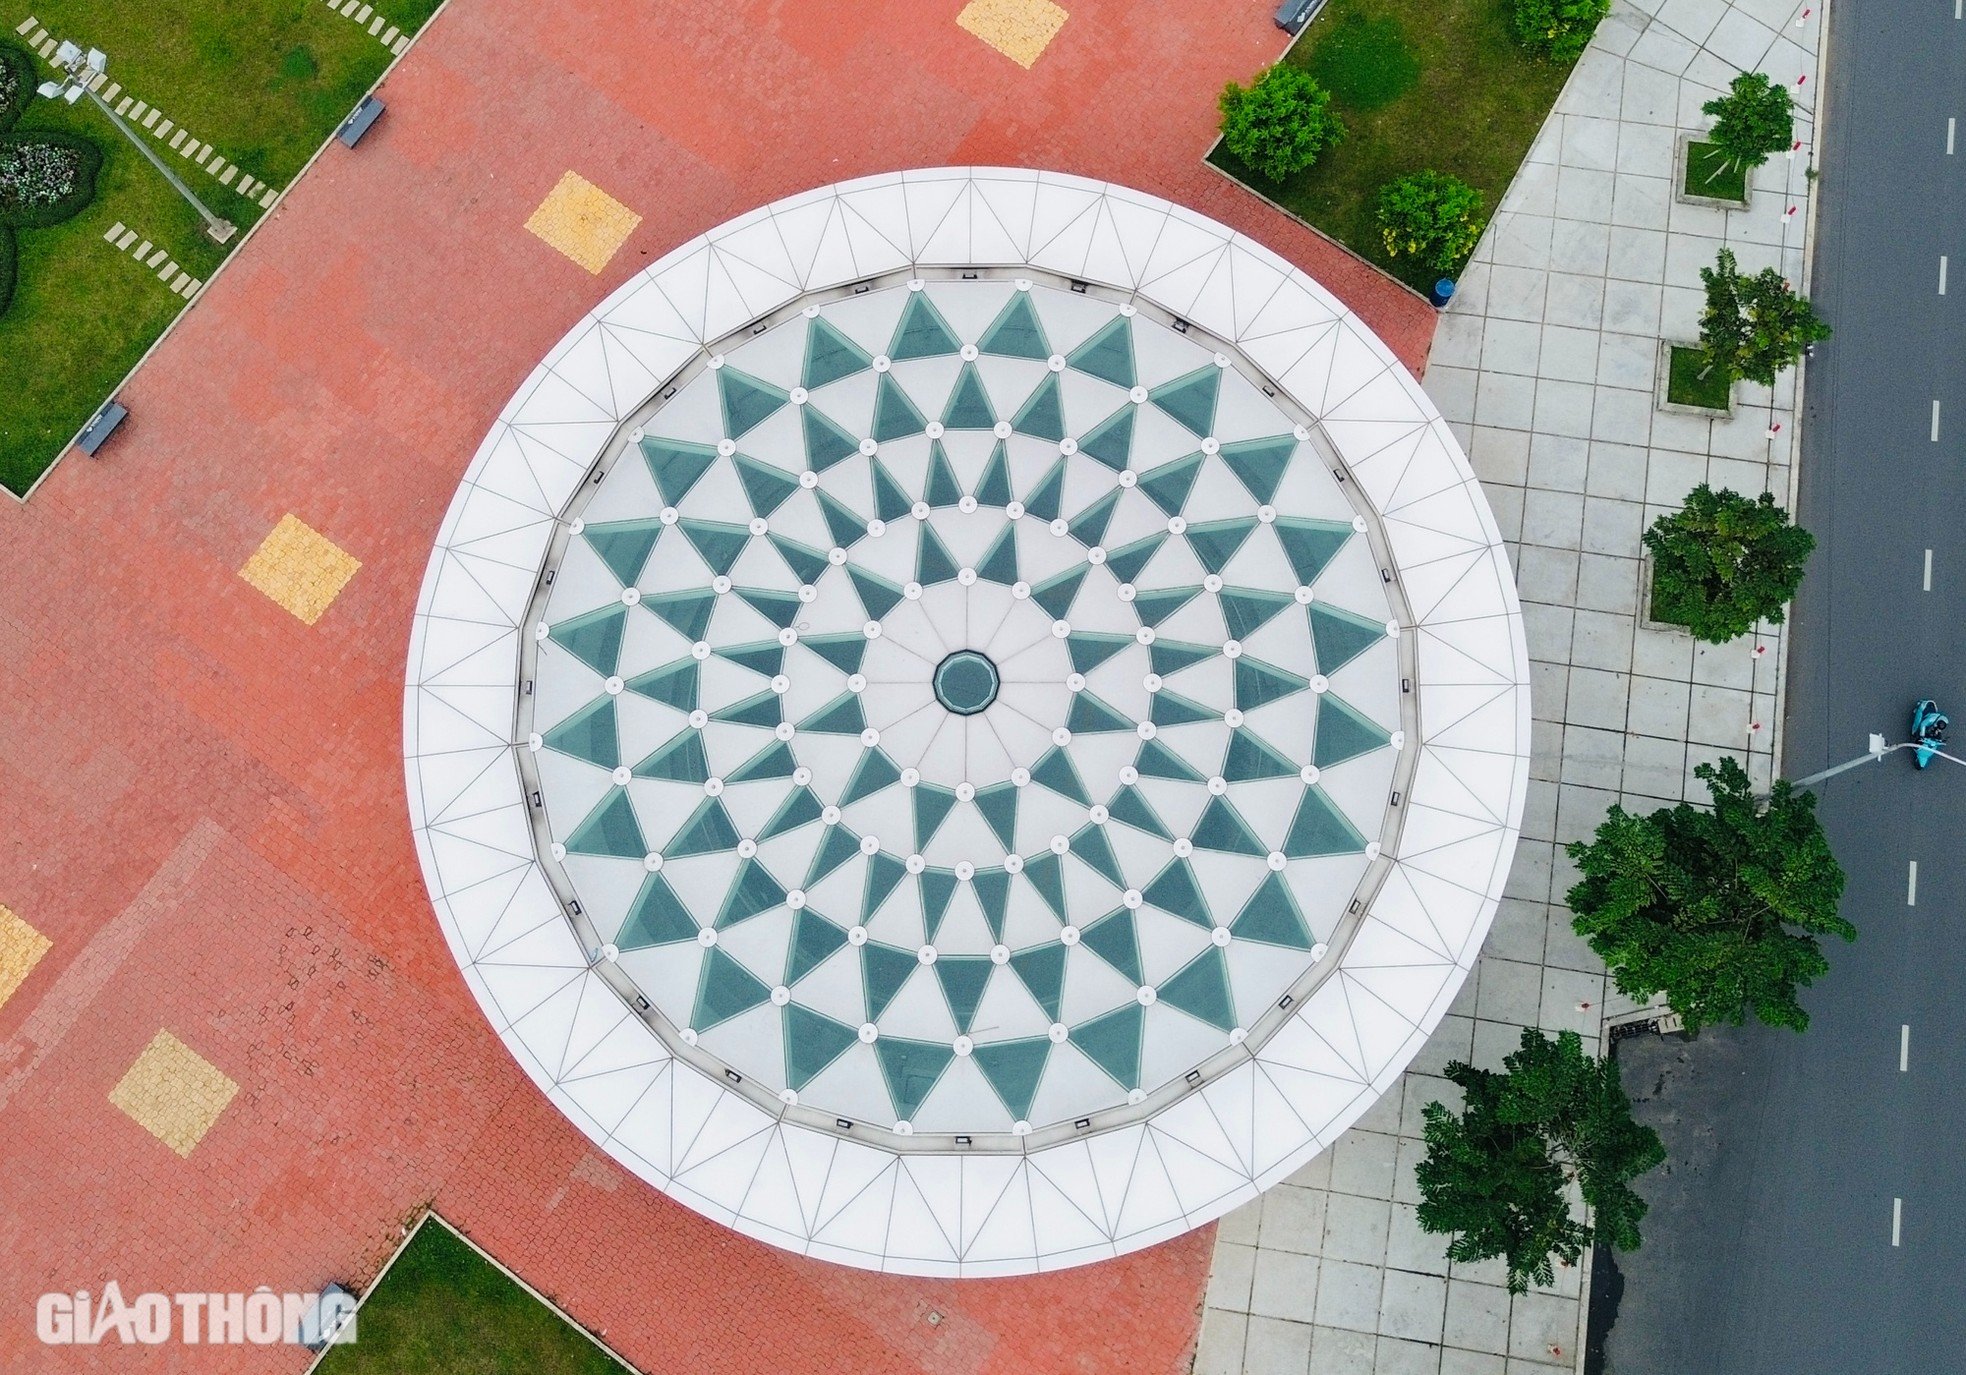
(1689, 366)
(1645, 617)
(1684, 165)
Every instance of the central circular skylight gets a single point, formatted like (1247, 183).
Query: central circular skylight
(965, 707)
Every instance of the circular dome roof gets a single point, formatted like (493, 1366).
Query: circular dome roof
(964, 710)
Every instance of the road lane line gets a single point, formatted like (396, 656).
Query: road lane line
(1942, 274)
(1911, 886)
(1904, 1048)
(1928, 570)
(1951, 128)
(1935, 420)
(1897, 1220)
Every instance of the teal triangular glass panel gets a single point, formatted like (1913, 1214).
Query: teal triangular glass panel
(656, 917)
(1054, 770)
(883, 969)
(1342, 733)
(808, 565)
(765, 485)
(1319, 828)
(895, 416)
(1112, 1042)
(610, 830)
(814, 939)
(1046, 873)
(836, 847)
(1250, 756)
(676, 464)
(1156, 606)
(775, 760)
(932, 805)
(1168, 486)
(933, 562)
(1246, 610)
(1200, 988)
(1016, 333)
(1042, 968)
(1088, 527)
(993, 489)
(1113, 939)
(826, 442)
(1126, 562)
(1172, 709)
(1091, 846)
(877, 595)
(594, 637)
(1271, 916)
(830, 355)
(1176, 893)
(1341, 636)
(1091, 716)
(998, 804)
(1043, 415)
(874, 772)
(963, 979)
(589, 734)
(754, 890)
(942, 489)
(719, 544)
(759, 709)
(624, 546)
(938, 887)
(1191, 399)
(1000, 564)
(884, 875)
(911, 1069)
(1215, 542)
(1055, 594)
(707, 832)
(681, 760)
(969, 405)
(1111, 441)
(843, 651)
(992, 887)
(1258, 683)
(842, 523)
(800, 809)
(673, 684)
(841, 716)
(1130, 807)
(1260, 463)
(780, 608)
(1222, 829)
(1171, 656)
(922, 332)
(890, 501)
(688, 612)
(1014, 1069)
(1310, 544)
(1089, 649)
(724, 989)
(760, 656)
(1156, 760)
(748, 400)
(812, 1042)
(1043, 501)
(1108, 354)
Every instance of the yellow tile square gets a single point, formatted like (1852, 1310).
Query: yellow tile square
(1019, 29)
(300, 568)
(583, 221)
(173, 1092)
(21, 948)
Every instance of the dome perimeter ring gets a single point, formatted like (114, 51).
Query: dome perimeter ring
(1125, 1174)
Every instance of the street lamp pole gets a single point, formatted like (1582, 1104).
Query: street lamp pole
(79, 70)
(1878, 749)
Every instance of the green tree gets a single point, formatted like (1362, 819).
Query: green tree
(1497, 1174)
(1558, 29)
(1432, 216)
(1753, 120)
(1722, 562)
(1753, 327)
(1718, 909)
(1280, 123)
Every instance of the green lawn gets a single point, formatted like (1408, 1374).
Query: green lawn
(1685, 386)
(1710, 172)
(1420, 84)
(266, 81)
(442, 1309)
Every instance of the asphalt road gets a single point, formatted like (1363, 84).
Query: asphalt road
(1816, 1221)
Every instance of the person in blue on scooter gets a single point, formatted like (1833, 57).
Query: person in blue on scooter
(1928, 730)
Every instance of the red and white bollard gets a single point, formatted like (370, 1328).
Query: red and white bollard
(1803, 18)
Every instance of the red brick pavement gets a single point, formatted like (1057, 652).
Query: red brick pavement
(201, 797)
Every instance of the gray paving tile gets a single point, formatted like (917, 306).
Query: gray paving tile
(1477, 1317)
(1397, 1356)
(1339, 1352)
(1229, 1276)
(1348, 1295)
(1283, 1285)
(1293, 1215)
(1218, 1351)
(1275, 1347)
(1355, 1229)
(1362, 1161)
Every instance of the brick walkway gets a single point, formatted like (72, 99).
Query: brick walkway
(201, 794)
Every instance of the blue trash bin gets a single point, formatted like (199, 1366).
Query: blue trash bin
(1443, 291)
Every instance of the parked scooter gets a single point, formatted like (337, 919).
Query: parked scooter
(1928, 730)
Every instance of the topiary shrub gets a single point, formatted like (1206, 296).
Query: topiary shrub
(1558, 29)
(1431, 217)
(46, 177)
(1279, 124)
(16, 84)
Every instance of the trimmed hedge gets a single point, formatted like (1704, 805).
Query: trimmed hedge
(16, 83)
(31, 214)
(9, 265)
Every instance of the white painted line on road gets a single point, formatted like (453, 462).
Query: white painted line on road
(1911, 886)
(1935, 420)
(1904, 1048)
(1928, 570)
(1952, 127)
(1897, 1220)
(1942, 274)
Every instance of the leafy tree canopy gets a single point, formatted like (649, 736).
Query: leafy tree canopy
(1280, 123)
(1753, 120)
(1432, 216)
(1723, 562)
(1753, 327)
